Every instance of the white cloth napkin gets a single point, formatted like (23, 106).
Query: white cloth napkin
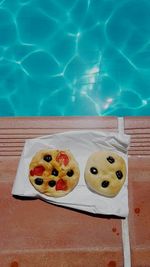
(82, 144)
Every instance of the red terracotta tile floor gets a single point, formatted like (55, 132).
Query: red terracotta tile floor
(36, 234)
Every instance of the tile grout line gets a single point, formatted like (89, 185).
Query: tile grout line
(64, 250)
(125, 225)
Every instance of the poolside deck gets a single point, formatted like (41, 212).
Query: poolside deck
(36, 234)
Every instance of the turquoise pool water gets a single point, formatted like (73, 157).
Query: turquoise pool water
(74, 57)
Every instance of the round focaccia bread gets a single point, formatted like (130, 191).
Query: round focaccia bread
(105, 173)
(54, 173)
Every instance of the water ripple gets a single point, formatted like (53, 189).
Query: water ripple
(74, 57)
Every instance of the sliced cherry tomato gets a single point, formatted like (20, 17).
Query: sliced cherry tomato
(32, 172)
(38, 170)
(61, 185)
(62, 158)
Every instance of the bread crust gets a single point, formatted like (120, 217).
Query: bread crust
(105, 173)
(51, 177)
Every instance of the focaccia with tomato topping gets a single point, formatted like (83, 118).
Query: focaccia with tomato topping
(54, 173)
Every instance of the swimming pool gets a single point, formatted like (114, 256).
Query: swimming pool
(74, 57)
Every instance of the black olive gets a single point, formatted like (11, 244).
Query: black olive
(52, 183)
(111, 159)
(70, 173)
(54, 172)
(105, 184)
(47, 158)
(119, 174)
(93, 170)
(38, 181)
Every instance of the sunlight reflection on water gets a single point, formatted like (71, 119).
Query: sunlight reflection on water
(88, 57)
